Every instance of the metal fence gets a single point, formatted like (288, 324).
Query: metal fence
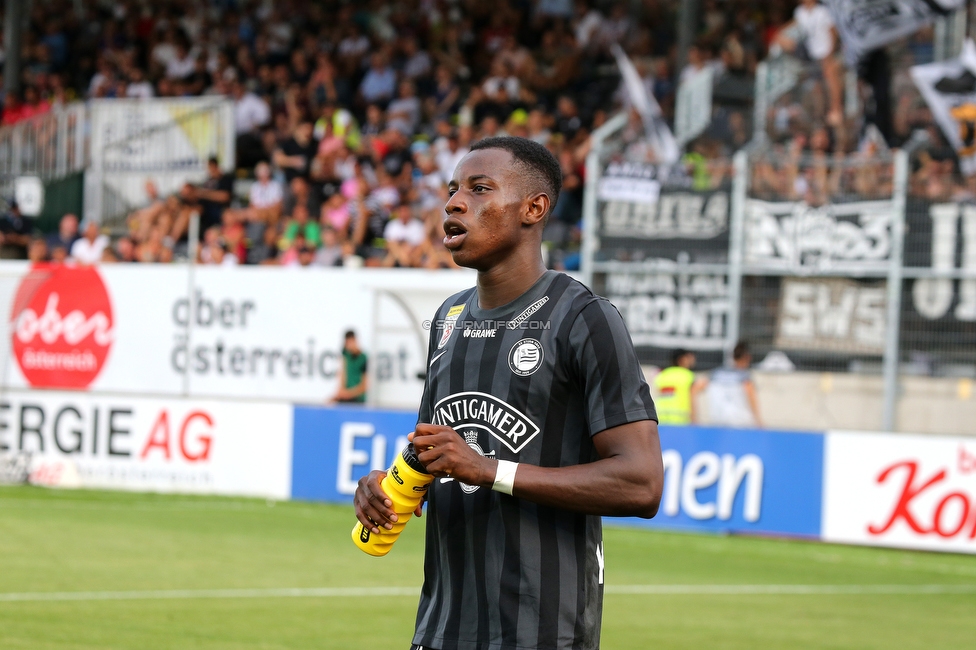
(48, 146)
(121, 145)
(844, 264)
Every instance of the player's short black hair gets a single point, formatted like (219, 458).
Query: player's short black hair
(350, 334)
(677, 355)
(541, 167)
(740, 350)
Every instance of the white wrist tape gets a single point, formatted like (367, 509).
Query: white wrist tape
(505, 477)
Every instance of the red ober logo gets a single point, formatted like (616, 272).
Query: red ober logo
(62, 326)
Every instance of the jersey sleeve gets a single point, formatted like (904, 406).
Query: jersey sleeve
(614, 389)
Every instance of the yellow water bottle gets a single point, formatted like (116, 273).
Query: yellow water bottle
(405, 484)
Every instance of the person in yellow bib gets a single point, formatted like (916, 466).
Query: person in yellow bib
(677, 388)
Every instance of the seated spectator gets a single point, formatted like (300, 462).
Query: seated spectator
(379, 83)
(403, 113)
(15, 234)
(154, 248)
(294, 156)
(444, 100)
(212, 196)
(404, 235)
(34, 104)
(265, 250)
(125, 250)
(88, 249)
(416, 62)
(335, 216)
(306, 256)
(300, 193)
(331, 252)
(301, 224)
(66, 235)
(138, 87)
(291, 248)
(339, 123)
(13, 110)
(143, 220)
(37, 251)
(265, 199)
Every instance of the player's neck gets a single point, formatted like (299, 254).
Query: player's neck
(503, 283)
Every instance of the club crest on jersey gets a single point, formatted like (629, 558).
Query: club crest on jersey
(450, 322)
(472, 411)
(471, 437)
(526, 357)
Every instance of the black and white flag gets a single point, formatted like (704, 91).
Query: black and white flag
(866, 25)
(949, 88)
(655, 128)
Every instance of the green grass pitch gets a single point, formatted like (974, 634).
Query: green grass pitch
(148, 566)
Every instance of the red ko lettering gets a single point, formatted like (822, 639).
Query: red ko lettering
(159, 437)
(967, 461)
(910, 491)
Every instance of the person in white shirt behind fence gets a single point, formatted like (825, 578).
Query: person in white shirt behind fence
(731, 393)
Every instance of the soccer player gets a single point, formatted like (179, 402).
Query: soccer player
(535, 421)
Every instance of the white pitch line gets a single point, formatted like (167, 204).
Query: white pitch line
(360, 592)
(179, 594)
(798, 590)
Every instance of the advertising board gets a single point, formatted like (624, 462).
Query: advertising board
(738, 480)
(335, 447)
(715, 479)
(78, 439)
(245, 333)
(900, 490)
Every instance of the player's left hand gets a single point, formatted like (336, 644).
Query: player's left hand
(444, 452)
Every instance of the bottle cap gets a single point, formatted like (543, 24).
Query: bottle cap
(410, 457)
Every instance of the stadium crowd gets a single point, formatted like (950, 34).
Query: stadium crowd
(350, 117)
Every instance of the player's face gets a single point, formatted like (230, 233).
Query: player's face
(484, 223)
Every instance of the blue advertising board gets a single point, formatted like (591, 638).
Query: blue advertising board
(333, 447)
(740, 480)
(716, 479)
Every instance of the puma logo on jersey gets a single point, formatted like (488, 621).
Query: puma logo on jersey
(486, 412)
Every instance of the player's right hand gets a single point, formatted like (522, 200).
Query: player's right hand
(373, 507)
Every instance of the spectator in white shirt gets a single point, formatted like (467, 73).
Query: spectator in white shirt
(404, 235)
(138, 87)
(250, 111)
(403, 113)
(88, 250)
(264, 200)
(501, 79)
(449, 156)
(813, 26)
(183, 64)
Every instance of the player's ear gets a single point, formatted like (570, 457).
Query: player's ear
(536, 209)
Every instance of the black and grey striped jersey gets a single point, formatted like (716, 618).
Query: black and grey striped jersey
(530, 382)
